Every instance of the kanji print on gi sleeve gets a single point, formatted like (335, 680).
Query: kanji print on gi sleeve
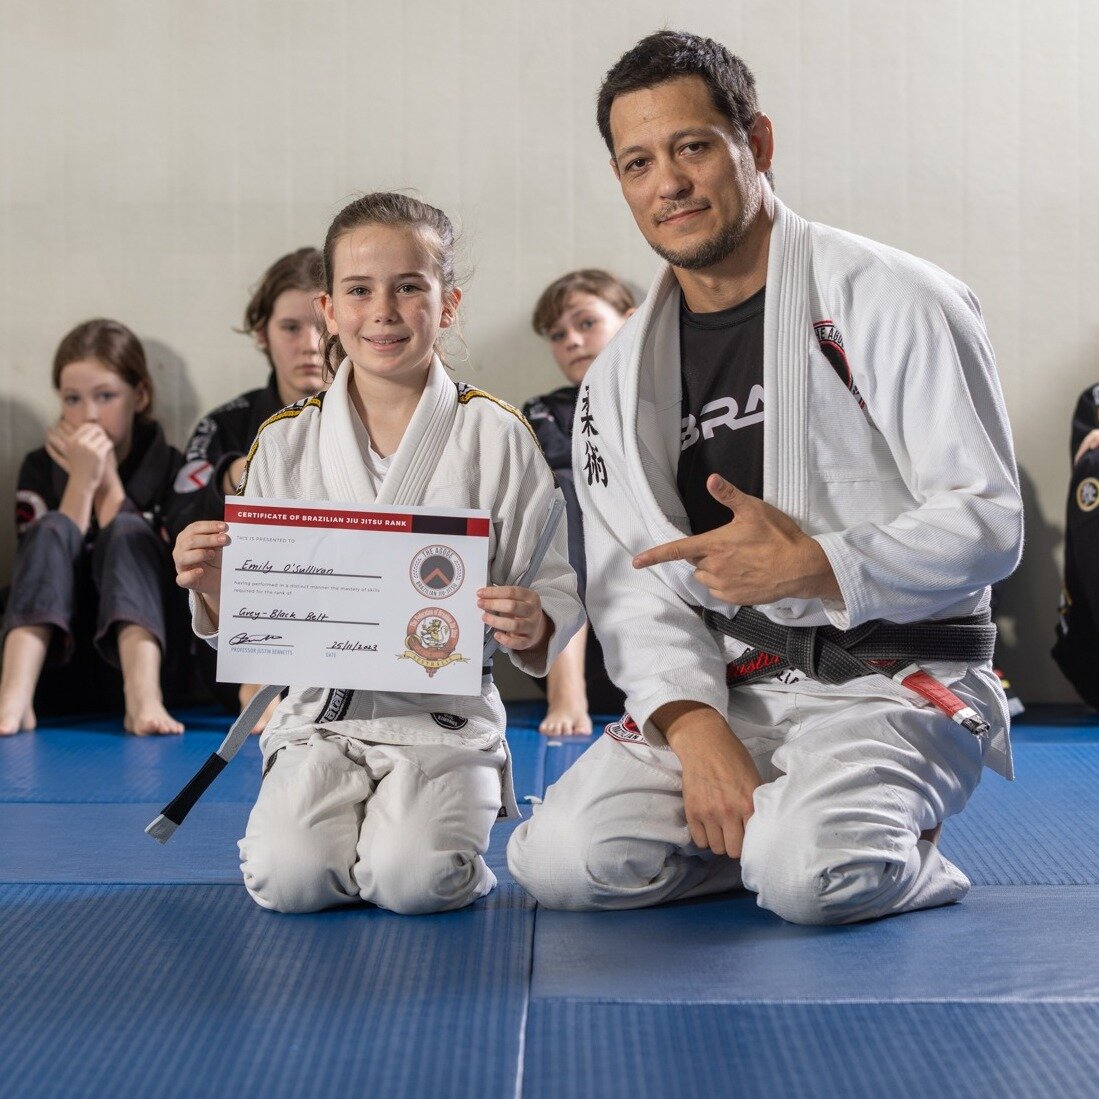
(595, 468)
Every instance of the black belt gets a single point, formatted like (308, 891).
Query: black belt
(830, 655)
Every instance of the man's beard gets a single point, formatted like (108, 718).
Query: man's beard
(723, 243)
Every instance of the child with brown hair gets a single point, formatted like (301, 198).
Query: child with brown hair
(92, 578)
(378, 795)
(283, 318)
(577, 314)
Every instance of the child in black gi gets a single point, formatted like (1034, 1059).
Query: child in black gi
(92, 589)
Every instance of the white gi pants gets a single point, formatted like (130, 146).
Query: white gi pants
(849, 783)
(339, 820)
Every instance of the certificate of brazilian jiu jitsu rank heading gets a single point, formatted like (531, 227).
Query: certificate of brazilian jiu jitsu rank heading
(344, 595)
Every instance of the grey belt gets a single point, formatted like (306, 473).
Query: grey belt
(173, 814)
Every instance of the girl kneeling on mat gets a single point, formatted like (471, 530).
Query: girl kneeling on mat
(91, 589)
(372, 795)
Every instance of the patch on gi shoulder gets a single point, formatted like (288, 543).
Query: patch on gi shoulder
(29, 506)
(450, 721)
(626, 731)
(1087, 494)
(193, 475)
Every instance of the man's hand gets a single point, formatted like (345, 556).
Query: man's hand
(719, 776)
(759, 556)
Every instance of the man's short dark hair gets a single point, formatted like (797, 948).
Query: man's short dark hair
(667, 55)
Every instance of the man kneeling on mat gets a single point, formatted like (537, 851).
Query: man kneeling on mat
(797, 481)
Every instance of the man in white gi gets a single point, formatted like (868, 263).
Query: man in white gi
(809, 424)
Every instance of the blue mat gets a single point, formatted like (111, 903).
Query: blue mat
(811, 1051)
(64, 764)
(107, 843)
(528, 761)
(194, 990)
(563, 752)
(120, 988)
(728, 950)
(1041, 829)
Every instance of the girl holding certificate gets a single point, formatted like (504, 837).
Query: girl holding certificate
(375, 795)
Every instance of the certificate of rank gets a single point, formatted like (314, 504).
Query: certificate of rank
(363, 597)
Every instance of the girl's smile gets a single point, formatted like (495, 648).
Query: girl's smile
(387, 303)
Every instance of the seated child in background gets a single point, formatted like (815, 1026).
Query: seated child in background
(1076, 649)
(377, 795)
(284, 320)
(578, 314)
(91, 588)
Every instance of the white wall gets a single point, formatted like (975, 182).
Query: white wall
(155, 155)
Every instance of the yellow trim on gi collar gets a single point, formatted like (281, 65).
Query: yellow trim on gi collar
(287, 413)
(467, 395)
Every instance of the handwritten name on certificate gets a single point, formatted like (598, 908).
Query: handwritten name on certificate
(343, 595)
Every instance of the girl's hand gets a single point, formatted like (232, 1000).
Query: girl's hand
(89, 451)
(516, 617)
(57, 443)
(197, 557)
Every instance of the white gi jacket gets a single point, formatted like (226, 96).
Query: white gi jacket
(914, 497)
(462, 449)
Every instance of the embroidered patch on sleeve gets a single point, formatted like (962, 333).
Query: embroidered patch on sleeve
(625, 731)
(1087, 494)
(193, 475)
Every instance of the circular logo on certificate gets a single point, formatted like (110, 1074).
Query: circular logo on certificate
(431, 639)
(437, 572)
(1087, 494)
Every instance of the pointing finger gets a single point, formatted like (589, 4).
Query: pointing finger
(682, 549)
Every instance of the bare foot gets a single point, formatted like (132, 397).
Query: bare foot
(150, 719)
(14, 719)
(566, 721)
(24, 654)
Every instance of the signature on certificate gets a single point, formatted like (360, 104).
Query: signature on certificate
(254, 638)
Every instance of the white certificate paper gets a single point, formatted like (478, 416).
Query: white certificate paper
(344, 595)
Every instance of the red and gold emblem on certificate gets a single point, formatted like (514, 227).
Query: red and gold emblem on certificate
(431, 640)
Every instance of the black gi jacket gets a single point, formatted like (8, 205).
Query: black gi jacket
(219, 439)
(1076, 649)
(147, 475)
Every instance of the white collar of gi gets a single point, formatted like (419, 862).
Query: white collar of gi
(421, 449)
